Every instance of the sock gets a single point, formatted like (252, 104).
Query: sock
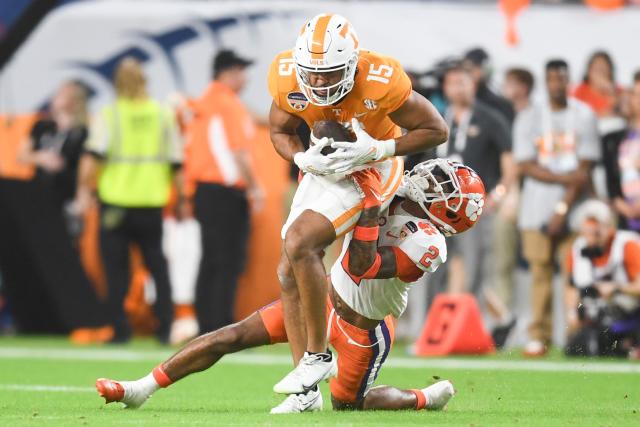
(421, 399)
(161, 377)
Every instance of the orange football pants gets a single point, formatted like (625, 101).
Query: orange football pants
(361, 352)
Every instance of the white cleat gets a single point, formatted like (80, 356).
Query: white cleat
(297, 403)
(121, 391)
(439, 394)
(310, 371)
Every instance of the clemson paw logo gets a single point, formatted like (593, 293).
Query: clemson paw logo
(474, 207)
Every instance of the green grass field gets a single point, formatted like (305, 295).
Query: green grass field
(48, 382)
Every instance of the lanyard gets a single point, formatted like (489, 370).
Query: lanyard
(460, 140)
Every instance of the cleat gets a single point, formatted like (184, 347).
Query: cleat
(112, 391)
(307, 375)
(297, 403)
(438, 395)
(120, 391)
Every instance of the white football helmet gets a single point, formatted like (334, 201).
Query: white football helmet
(326, 43)
(450, 193)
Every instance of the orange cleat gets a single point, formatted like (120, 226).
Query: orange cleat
(112, 391)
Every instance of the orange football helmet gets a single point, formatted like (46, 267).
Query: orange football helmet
(450, 193)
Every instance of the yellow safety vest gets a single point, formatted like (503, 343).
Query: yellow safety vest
(137, 168)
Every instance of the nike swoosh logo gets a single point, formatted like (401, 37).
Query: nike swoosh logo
(356, 115)
(305, 406)
(391, 235)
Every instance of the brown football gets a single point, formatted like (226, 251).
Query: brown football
(332, 129)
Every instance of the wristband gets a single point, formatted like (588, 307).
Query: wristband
(366, 234)
(388, 149)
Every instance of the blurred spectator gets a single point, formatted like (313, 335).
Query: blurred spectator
(598, 88)
(135, 144)
(57, 141)
(518, 84)
(517, 87)
(480, 138)
(556, 145)
(218, 163)
(603, 296)
(622, 162)
(479, 65)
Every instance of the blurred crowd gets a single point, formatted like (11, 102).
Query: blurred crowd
(562, 176)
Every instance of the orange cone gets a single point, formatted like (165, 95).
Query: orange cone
(454, 326)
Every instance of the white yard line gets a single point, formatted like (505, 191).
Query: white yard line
(472, 364)
(41, 387)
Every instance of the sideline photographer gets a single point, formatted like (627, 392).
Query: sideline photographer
(603, 296)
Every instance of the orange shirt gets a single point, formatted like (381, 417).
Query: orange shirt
(381, 87)
(220, 126)
(601, 104)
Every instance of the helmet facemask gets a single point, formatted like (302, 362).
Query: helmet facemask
(431, 182)
(328, 94)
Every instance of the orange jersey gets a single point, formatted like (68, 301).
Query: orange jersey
(381, 87)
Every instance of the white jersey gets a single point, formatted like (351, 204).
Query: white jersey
(376, 298)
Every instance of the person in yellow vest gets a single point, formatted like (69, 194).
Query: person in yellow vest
(134, 151)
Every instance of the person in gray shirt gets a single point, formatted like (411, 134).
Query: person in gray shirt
(555, 145)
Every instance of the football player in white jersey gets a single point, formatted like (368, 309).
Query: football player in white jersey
(368, 286)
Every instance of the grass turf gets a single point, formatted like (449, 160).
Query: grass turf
(240, 395)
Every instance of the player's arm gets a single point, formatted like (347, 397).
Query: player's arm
(287, 143)
(425, 126)
(364, 259)
(284, 138)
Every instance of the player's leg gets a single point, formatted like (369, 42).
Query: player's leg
(305, 241)
(293, 316)
(201, 353)
(434, 397)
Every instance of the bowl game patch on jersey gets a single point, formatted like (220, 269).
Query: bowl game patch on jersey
(297, 101)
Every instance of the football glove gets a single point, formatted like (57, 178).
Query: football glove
(366, 149)
(313, 161)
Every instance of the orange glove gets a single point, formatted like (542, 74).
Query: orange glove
(369, 185)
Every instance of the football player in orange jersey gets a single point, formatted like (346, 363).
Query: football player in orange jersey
(327, 77)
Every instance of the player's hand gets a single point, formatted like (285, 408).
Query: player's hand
(366, 149)
(313, 161)
(369, 185)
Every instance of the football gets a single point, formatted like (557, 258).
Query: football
(332, 129)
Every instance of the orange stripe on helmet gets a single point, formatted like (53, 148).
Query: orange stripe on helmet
(344, 30)
(319, 33)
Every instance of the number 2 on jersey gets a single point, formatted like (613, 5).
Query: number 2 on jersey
(431, 254)
(381, 74)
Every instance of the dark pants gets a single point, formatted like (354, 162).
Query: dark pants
(223, 214)
(119, 227)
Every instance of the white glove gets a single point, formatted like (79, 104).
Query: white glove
(313, 161)
(366, 149)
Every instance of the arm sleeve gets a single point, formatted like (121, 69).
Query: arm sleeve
(632, 259)
(524, 148)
